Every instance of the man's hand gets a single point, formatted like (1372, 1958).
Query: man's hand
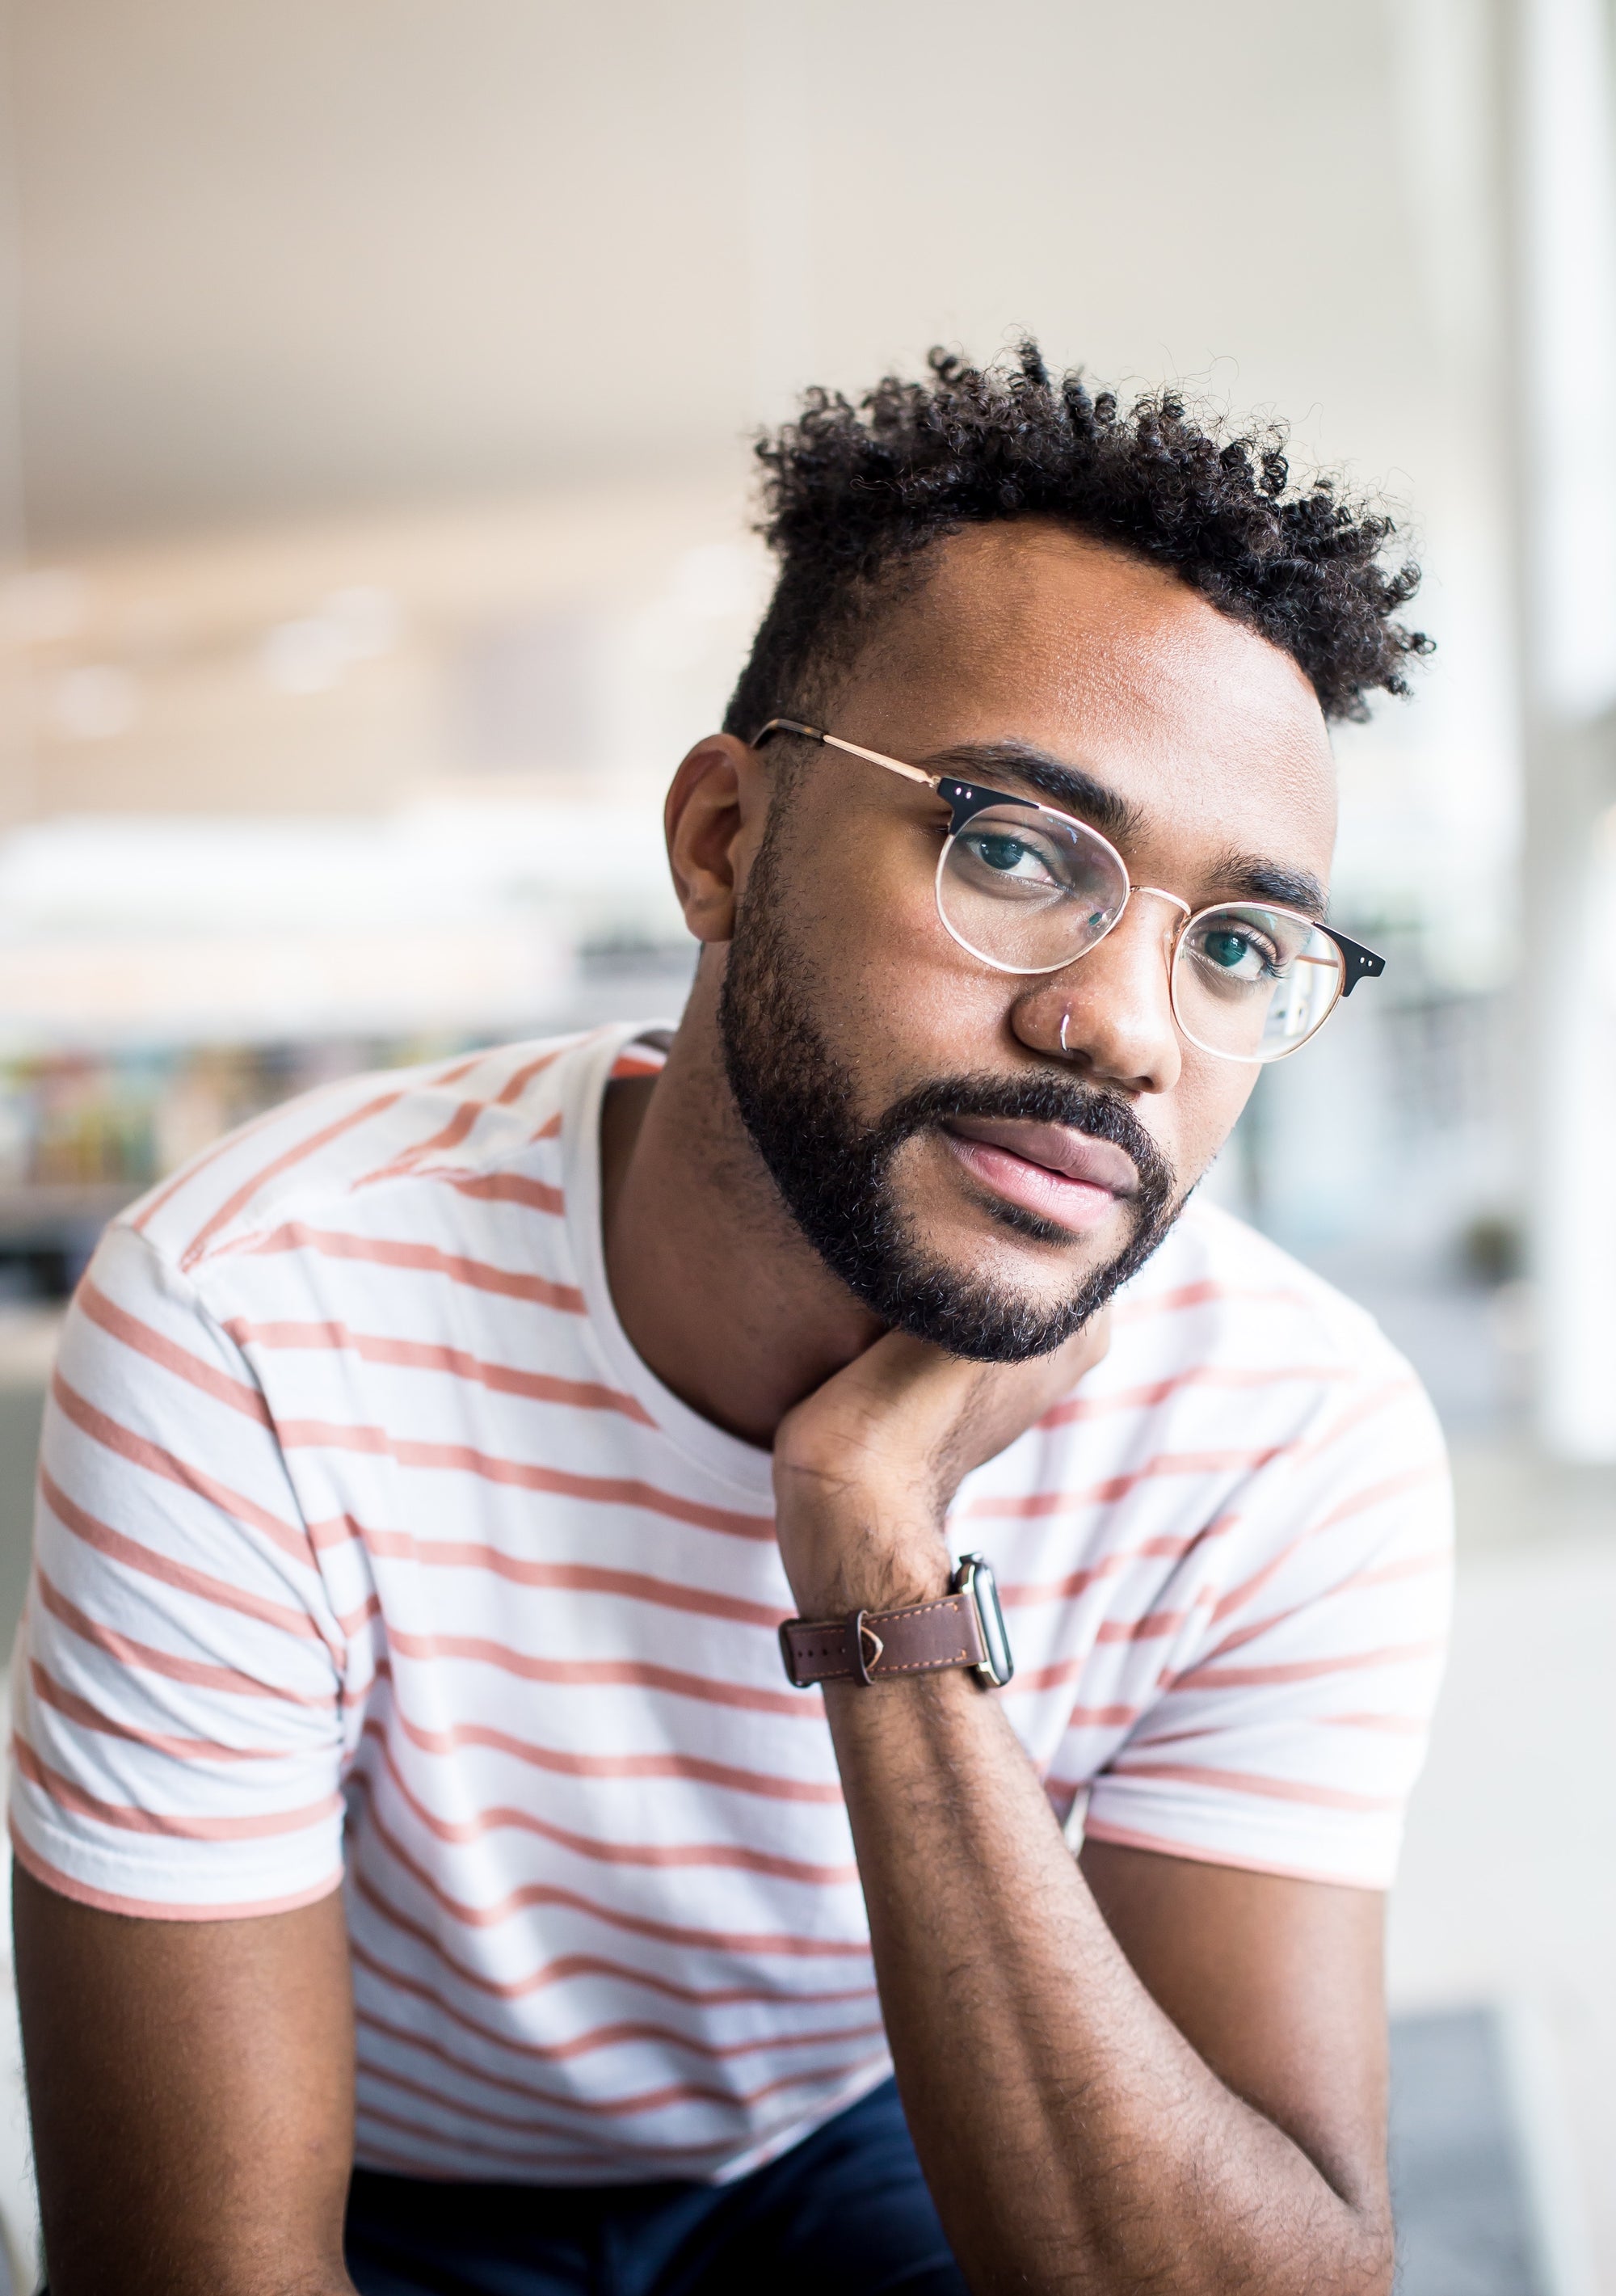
(865, 1467)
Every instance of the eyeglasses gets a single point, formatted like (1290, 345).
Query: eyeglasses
(1028, 889)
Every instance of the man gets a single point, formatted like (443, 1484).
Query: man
(406, 1770)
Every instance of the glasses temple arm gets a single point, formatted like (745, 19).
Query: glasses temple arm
(835, 742)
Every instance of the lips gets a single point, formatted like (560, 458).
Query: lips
(1064, 1176)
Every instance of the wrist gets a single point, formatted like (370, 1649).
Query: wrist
(859, 1550)
(865, 1574)
(963, 1627)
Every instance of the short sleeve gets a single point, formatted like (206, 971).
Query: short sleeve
(1290, 1724)
(177, 1739)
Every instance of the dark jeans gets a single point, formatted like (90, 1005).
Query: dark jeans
(845, 2211)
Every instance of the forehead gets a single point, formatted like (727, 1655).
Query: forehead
(1022, 630)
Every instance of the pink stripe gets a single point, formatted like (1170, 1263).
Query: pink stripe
(142, 1657)
(449, 1136)
(578, 2155)
(114, 1544)
(542, 1893)
(461, 1069)
(1430, 1471)
(730, 1856)
(1082, 1407)
(420, 1355)
(171, 1825)
(1078, 1582)
(655, 2100)
(1392, 1487)
(238, 1394)
(577, 1578)
(1118, 1487)
(517, 1083)
(52, 1692)
(461, 1459)
(369, 2154)
(1055, 1677)
(565, 1967)
(1199, 1295)
(198, 1165)
(557, 2131)
(606, 1673)
(1368, 1406)
(423, 1259)
(507, 1188)
(1127, 1837)
(621, 2035)
(566, 1764)
(550, 1129)
(1248, 1781)
(241, 1197)
(625, 2108)
(1389, 1574)
(160, 1909)
(141, 1452)
(1148, 1629)
(1251, 1678)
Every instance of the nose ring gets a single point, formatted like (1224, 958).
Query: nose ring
(1064, 1018)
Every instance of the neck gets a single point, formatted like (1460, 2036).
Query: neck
(716, 1287)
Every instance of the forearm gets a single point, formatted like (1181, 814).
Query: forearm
(1071, 2136)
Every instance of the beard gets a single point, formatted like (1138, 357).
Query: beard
(834, 1174)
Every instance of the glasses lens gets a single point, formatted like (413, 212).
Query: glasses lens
(1252, 984)
(1027, 890)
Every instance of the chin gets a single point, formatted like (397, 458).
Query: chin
(977, 1299)
(1006, 1244)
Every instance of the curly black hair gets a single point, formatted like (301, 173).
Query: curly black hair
(852, 496)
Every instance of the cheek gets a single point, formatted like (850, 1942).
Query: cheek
(1207, 1106)
(865, 921)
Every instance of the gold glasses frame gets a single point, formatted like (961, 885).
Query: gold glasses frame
(965, 799)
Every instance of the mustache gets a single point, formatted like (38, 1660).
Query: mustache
(1041, 1099)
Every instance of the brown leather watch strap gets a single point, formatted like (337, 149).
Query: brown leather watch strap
(873, 1644)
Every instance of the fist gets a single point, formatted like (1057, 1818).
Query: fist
(867, 1466)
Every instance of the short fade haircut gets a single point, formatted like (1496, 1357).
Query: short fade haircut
(853, 497)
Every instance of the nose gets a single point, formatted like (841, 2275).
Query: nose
(1111, 1012)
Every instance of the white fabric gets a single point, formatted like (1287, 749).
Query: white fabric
(367, 1546)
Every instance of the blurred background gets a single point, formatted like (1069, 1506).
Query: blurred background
(376, 378)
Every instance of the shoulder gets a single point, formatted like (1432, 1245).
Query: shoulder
(1219, 1294)
(1235, 1374)
(334, 1152)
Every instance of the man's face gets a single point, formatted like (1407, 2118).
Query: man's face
(971, 1176)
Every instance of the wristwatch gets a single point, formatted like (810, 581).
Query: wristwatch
(965, 1626)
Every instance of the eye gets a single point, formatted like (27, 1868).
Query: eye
(1237, 953)
(1006, 856)
(1224, 947)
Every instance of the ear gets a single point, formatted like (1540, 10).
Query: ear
(713, 821)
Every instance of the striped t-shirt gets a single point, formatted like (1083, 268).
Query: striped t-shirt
(370, 1553)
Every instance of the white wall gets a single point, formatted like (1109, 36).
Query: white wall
(279, 255)
(283, 257)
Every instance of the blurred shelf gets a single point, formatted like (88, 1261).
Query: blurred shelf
(61, 1216)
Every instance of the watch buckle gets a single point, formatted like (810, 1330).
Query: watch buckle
(863, 1633)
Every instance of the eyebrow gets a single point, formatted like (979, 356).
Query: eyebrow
(1245, 876)
(1253, 879)
(1066, 786)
